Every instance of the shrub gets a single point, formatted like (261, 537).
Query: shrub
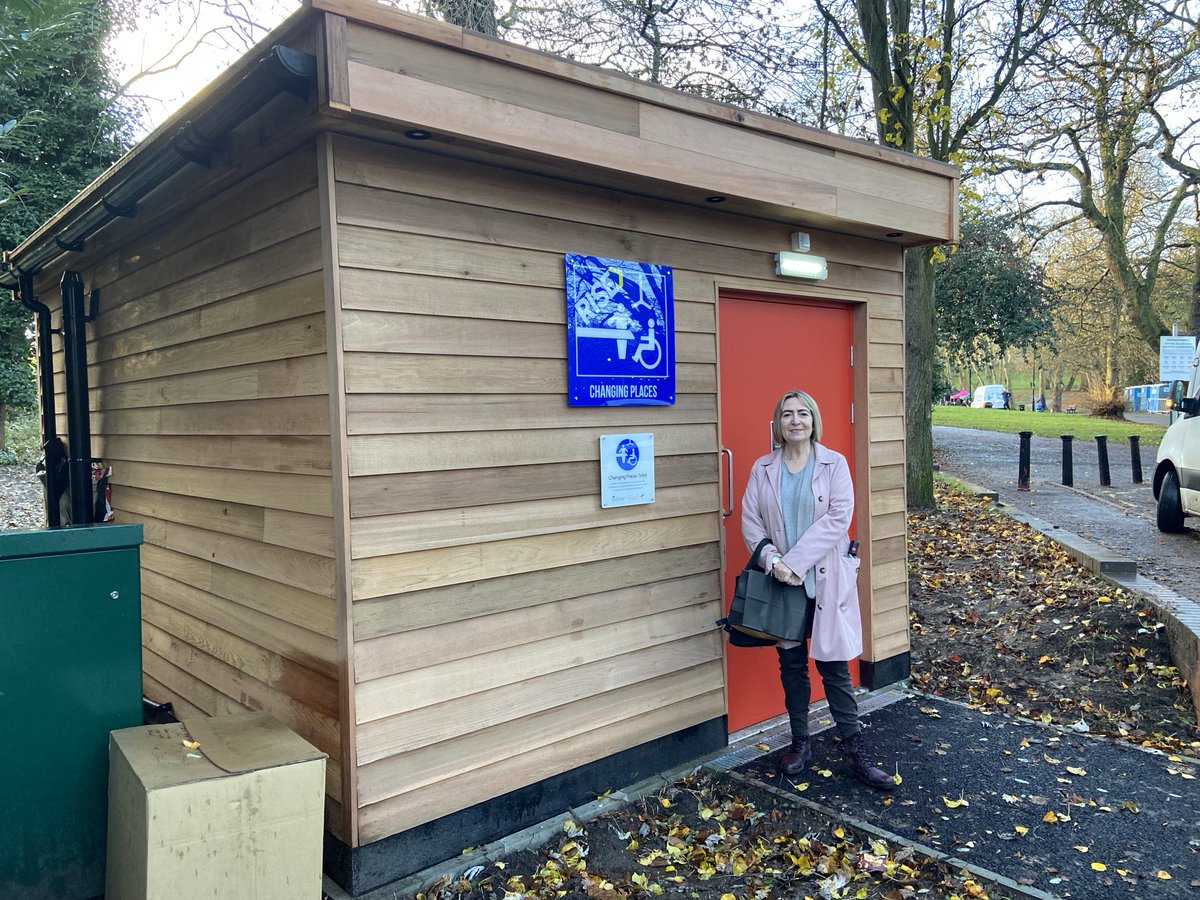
(22, 438)
(1106, 401)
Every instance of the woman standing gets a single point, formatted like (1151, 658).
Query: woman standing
(801, 499)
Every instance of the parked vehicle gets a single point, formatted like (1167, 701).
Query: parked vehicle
(1177, 472)
(988, 395)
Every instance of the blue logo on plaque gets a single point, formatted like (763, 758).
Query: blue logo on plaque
(627, 455)
(620, 332)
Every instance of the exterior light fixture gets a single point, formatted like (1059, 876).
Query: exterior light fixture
(801, 242)
(895, 234)
(418, 134)
(801, 265)
(715, 198)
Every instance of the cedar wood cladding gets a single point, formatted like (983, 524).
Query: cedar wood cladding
(495, 604)
(209, 396)
(332, 389)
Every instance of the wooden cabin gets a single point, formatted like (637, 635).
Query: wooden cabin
(329, 372)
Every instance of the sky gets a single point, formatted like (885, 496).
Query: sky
(171, 56)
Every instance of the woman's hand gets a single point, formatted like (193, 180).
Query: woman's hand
(780, 572)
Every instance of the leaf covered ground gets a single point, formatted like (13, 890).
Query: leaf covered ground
(713, 837)
(1002, 619)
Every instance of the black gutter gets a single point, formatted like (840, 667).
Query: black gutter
(282, 69)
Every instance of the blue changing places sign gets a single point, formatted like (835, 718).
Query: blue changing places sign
(620, 333)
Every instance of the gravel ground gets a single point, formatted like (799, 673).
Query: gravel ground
(22, 493)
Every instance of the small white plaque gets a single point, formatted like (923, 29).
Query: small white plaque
(626, 469)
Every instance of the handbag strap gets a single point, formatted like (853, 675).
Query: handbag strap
(753, 560)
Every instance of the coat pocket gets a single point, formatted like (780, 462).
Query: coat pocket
(848, 582)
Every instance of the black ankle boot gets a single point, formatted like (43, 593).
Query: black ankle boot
(795, 759)
(862, 764)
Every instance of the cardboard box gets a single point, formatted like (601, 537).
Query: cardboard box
(241, 815)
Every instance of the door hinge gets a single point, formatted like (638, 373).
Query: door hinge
(852, 356)
(851, 413)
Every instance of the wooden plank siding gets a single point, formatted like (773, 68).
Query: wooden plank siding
(329, 374)
(210, 400)
(488, 585)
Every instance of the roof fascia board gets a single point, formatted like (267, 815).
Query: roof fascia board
(423, 28)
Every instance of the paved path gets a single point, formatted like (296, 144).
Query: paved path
(1130, 811)
(1120, 518)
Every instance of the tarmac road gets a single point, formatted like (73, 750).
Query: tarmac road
(1120, 517)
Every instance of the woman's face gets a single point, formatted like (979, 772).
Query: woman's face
(796, 419)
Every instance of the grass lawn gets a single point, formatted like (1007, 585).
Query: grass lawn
(1046, 424)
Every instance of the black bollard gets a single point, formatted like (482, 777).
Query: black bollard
(1068, 465)
(1102, 451)
(1135, 458)
(1023, 463)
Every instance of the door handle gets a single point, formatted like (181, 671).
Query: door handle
(726, 513)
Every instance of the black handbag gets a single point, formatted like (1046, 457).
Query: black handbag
(764, 609)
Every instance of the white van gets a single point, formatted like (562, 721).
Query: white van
(1177, 473)
(988, 395)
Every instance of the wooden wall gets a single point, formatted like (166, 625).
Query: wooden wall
(506, 628)
(209, 398)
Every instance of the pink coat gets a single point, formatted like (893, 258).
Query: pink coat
(837, 626)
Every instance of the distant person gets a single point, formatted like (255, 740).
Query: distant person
(1040, 404)
(800, 497)
(1006, 400)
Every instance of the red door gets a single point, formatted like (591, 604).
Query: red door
(771, 345)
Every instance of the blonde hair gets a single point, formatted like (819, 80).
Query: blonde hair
(808, 403)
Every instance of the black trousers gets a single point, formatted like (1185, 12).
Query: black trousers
(839, 690)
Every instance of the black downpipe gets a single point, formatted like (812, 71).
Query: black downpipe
(51, 445)
(79, 426)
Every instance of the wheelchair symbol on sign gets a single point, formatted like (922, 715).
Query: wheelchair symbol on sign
(619, 326)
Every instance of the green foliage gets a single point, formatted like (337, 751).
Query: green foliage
(991, 297)
(58, 90)
(60, 128)
(16, 362)
(1046, 424)
(22, 438)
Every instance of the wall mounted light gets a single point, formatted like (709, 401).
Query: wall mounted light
(801, 265)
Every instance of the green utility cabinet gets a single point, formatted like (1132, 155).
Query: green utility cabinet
(70, 672)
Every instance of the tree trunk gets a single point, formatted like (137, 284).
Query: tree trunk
(1195, 310)
(919, 342)
(1057, 381)
(3, 420)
